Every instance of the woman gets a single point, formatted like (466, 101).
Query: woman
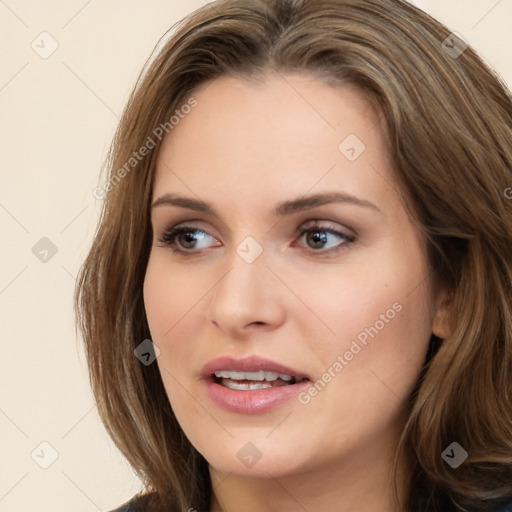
(298, 297)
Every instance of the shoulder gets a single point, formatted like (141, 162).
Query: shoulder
(137, 503)
(126, 507)
(505, 509)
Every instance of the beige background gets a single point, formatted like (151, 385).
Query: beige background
(58, 115)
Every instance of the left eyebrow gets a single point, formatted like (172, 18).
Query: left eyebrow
(306, 203)
(282, 209)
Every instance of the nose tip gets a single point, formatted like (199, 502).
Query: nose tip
(244, 299)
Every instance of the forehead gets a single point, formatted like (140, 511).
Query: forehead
(263, 139)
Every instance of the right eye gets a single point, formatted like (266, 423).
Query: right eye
(191, 235)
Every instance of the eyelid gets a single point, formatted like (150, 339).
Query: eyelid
(330, 225)
(195, 224)
(348, 231)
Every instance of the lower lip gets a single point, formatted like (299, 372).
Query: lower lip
(254, 401)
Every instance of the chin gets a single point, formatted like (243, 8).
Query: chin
(250, 454)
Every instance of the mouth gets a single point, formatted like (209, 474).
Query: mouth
(248, 381)
(251, 385)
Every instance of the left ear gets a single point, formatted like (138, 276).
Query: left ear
(441, 323)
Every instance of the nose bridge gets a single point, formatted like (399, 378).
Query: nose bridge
(249, 250)
(245, 293)
(246, 267)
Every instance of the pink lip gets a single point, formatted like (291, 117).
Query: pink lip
(255, 401)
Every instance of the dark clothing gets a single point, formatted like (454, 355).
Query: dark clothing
(130, 506)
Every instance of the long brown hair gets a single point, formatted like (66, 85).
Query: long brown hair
(448, 120)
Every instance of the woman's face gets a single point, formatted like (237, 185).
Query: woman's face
(347, 304)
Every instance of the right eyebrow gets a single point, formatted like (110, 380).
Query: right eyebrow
(184, 202)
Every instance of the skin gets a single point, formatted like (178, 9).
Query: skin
(246, 147)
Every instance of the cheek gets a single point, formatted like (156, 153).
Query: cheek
(368, 369)
(169, 297)
(376, 317)
(175, 299)
(170, 300)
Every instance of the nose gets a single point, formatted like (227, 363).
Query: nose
(248, 298)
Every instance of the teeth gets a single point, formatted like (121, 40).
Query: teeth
(245, 385)
(256, 376)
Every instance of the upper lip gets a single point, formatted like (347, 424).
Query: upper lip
(249, 364)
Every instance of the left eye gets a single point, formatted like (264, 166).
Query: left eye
(320, 236)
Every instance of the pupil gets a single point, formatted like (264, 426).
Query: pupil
(319, 237)
(189, 238)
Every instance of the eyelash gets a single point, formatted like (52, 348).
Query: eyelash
(168, 238)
